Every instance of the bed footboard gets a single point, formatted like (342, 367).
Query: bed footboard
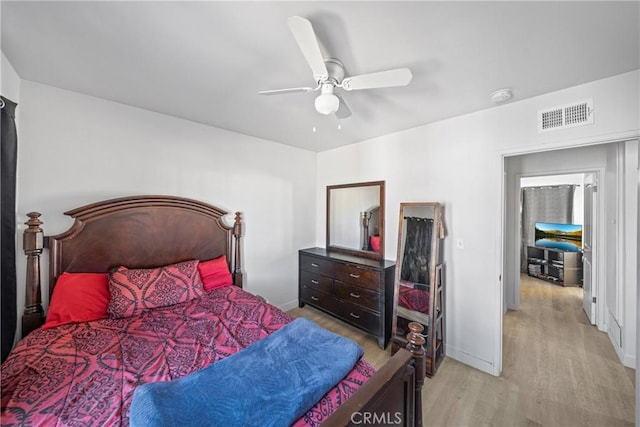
(393, 396)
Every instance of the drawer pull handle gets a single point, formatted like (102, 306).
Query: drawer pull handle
(355, 316)
(313, 264)
(354, 295)
(314, 298)
(315, 282)
(355, 276)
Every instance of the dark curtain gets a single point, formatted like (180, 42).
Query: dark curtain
(415, 260)
(8, 162)
(543, 204)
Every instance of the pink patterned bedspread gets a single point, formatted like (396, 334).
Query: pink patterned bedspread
(85, 374)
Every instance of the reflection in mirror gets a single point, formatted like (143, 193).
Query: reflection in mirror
(355, 219)
(370, 229)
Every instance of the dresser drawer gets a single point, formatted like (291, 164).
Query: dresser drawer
(316, 281)
(359, 316)
(358, 276)
(316, 265)
(314, 297)
(357, 295)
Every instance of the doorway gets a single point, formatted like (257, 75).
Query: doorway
(616, 218)
(567, 254)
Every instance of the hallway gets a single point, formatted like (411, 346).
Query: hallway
(566, 370)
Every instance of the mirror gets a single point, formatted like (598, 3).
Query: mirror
(355, 219)
(418, 292)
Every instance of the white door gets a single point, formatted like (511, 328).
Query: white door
(589, 276)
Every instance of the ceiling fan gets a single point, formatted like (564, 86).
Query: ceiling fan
(329, 74)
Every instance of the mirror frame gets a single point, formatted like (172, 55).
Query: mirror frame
(436, 317)
(351, 251)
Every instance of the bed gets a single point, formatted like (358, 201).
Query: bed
(85, 373)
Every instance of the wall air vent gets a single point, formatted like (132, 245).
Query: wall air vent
(566, 116)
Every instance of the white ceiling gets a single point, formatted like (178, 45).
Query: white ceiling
(206, 61)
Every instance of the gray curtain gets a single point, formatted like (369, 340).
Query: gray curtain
(543, 204)
(8, 163)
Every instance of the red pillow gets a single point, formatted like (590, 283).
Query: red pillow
(375, 243)
(215, 273)
(133, 291)
(78, 297)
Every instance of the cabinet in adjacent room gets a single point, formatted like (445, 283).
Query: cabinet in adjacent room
(354, 289)
(555, 265)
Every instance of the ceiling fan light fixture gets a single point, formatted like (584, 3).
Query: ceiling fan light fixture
(329, 73)
(327, 103)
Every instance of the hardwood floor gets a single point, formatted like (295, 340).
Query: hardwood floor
(558, 370)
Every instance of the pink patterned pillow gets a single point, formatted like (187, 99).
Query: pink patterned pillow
(133, 291)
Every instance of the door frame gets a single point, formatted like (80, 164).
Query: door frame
(591, 208)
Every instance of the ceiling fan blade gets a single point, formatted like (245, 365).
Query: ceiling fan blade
(343, 110)
(289, 90)
(390, 78)
(302, 31)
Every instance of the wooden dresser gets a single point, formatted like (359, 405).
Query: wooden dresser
(354, 289)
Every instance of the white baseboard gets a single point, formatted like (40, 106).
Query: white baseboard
(628, 360)
(288, 305)
(471, 360)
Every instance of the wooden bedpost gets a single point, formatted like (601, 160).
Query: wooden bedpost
(237, 265)
(33, 244)
(416, 346)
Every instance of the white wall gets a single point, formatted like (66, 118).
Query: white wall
(459, 163)
(638, 296)
(629, 279)
(75, 149)
(9, 80)
(612, 316)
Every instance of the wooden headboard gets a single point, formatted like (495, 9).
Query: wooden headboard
(137, 232)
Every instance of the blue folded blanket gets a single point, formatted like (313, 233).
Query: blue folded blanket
(273, 382)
